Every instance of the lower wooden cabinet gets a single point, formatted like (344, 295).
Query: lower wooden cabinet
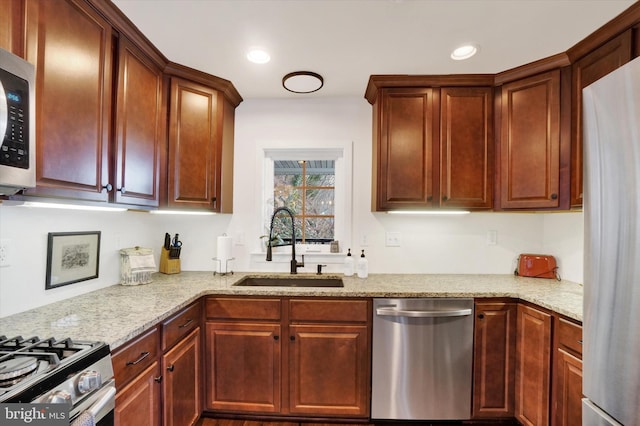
(298, 357)
(181, 385)
(533, 366)
(494, 359)
(567, 386)
(138, 403)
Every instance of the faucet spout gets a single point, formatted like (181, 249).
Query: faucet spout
(294, 263)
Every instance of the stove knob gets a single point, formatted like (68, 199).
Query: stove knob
(59, 397)
(88, 381)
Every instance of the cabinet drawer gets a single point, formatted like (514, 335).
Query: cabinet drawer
(570, 335)
(329, 310)
(135, 356)
(174, 328)
(244, 309)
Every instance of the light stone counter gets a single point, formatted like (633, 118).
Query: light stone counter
(117, 313)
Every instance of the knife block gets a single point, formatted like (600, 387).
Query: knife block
(168, 265)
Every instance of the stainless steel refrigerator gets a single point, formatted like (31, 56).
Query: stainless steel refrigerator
(611, 324)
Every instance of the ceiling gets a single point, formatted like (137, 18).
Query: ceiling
(346, 41)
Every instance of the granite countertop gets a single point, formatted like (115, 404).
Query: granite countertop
(117, 313)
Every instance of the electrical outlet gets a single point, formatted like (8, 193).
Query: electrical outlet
(492, 238)
(392, 239)
(5, 251)
(364, 240)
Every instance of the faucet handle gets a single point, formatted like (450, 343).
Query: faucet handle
(320, 269)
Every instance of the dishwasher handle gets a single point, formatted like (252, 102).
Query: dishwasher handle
(391, 311)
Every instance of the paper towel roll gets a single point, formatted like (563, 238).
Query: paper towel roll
(223, 254)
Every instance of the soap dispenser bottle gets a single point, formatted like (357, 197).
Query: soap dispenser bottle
(363, 266)
(348, 264)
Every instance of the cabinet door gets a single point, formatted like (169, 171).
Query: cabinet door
(530, 142)
(405, 149)
(243, 367)
(533, 366)
(194, 146)
(569, 390)
(494, 360)
(71, 46)
(139, 402)
(11, 21)
(181, 386)
(587, 70)
(466, 147)
(139, 128)
(328, 370)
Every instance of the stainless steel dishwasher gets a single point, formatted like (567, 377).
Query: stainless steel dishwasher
(422, 359)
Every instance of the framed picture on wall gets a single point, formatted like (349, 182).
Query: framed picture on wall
(72, 257)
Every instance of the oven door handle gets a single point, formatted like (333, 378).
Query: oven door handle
(4, 113)
(104, 396)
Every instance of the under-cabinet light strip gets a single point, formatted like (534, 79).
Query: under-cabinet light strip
(430, 212)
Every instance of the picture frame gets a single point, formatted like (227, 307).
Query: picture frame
(72, 257)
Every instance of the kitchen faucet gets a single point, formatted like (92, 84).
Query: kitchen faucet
(294, 263)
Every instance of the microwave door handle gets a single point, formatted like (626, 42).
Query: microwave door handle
(413, 313)
(4, 113)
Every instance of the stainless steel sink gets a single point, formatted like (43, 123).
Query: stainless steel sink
(290, 281)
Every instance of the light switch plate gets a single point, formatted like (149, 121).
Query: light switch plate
(492, 238)
(393, 239)
(5, 253)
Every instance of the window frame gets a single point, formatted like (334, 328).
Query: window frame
(339, 151)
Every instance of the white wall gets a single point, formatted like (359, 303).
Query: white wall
(428, 244)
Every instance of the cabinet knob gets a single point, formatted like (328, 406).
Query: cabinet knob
(122, 190)
(445, 198)
(276, 337)
(430, 198)
(171, 367)
(158, 379)
(554, 196)
(292, 338)
(108, 187)
(480, 316)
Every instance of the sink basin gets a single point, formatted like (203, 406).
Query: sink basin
(292, 281)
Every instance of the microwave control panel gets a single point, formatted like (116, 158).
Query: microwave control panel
(14, 94)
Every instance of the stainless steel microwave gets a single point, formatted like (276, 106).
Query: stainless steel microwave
(17, 124)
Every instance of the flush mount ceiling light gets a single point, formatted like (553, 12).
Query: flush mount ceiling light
(464, 52)
(258, 56)
(302, 82)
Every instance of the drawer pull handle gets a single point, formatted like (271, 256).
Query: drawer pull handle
(143, 355)
(171, 367)
(186, 324)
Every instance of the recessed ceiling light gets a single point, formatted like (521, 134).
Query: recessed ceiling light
(258, 56)
(302, 82)
(464, 52)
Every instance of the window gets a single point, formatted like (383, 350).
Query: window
(315, 183)
(307, 188)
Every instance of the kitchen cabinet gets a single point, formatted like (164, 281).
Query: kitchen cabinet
(533, 366)
(567, 376)
(182, 367)
(140, 125)
(11, 26)
(586, 70)
(433, 147)
(494, 359)
(71, 46)
(164, 364)
(302, 357)
(530, 145)
(137, 374)
(200, 169)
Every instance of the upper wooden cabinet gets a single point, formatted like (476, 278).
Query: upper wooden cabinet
(587, 70)
(11, 26)
(433, 147)
(140, 128)
(201, 120)
(530, 146)
(71, 45)
(466, 147)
